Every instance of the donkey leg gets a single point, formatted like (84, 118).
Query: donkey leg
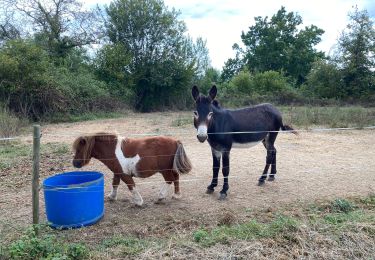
(271, 148)
(266, 167)
(272, 174)
(265, 171)
(136, 197)
(176, 182)
(216, 156)
(115, 184)
(225, 170)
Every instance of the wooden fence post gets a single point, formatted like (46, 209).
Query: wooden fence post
(35, 181)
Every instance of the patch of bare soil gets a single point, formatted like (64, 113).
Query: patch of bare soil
(311, 166)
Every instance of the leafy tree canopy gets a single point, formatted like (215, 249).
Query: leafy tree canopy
(278, 44)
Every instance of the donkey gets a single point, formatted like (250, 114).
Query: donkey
(225, 129)
(128, 158)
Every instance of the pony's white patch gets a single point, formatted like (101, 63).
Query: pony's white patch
(164, 191)
(137, 198)
(113, 194)
(245, 145)
(128, 165)
(202, 130)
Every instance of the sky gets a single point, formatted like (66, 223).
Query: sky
(221, 22)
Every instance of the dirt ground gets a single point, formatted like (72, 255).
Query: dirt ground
(311, 166)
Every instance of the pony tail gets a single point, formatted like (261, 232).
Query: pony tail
(290, 129)
(181, 162)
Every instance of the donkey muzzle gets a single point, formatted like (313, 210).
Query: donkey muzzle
(202, 138)
(202, 133)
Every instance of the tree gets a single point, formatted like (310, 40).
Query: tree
(201, 56)
(161, 64)
(59, 25)
(211, 77)
(277, 44)
(9, 30)
(325, 80)
(233, 66)
(357, 54)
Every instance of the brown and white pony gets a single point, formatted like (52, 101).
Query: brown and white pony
(128, 158)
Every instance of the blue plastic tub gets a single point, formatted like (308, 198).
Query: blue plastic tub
(74, 199)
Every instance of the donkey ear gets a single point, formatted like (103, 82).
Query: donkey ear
(213, 92)
(195, 92)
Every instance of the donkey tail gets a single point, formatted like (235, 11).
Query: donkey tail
(289, 129)
(181, 162)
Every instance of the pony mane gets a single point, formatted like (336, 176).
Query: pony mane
(87, 141)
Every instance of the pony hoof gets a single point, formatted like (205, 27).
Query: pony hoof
(160, 201)
(176, 196)
(209, 191)
(271, 178)
(111, 198)
(261, 182)
(222, 196)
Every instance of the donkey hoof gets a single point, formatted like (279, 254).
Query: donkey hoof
(209, 191)
(222, 196)
(271, 178)
(261, 182)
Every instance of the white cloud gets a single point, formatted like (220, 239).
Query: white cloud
(221, 22)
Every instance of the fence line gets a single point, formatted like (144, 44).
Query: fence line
(185, 133)
(10, 138)
(155, 182)
(221, 133)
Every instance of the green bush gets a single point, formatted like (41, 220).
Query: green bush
(248, 89)
(10, 125)
(243, 82)
(82, 91)
(34, 86)
(270, 82)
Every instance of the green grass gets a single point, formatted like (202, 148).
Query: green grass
(55, 148)
(329, 116)
(126, 246)
(251, 230)
(342, 205)
(71, 118)
(45, 246)
(369, 201)
(340, 219)
(321, 226)
(331, 220)
(13, 152)
(182, 120)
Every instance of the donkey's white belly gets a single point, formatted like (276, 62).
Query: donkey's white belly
(128, 165)
(244, 145)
